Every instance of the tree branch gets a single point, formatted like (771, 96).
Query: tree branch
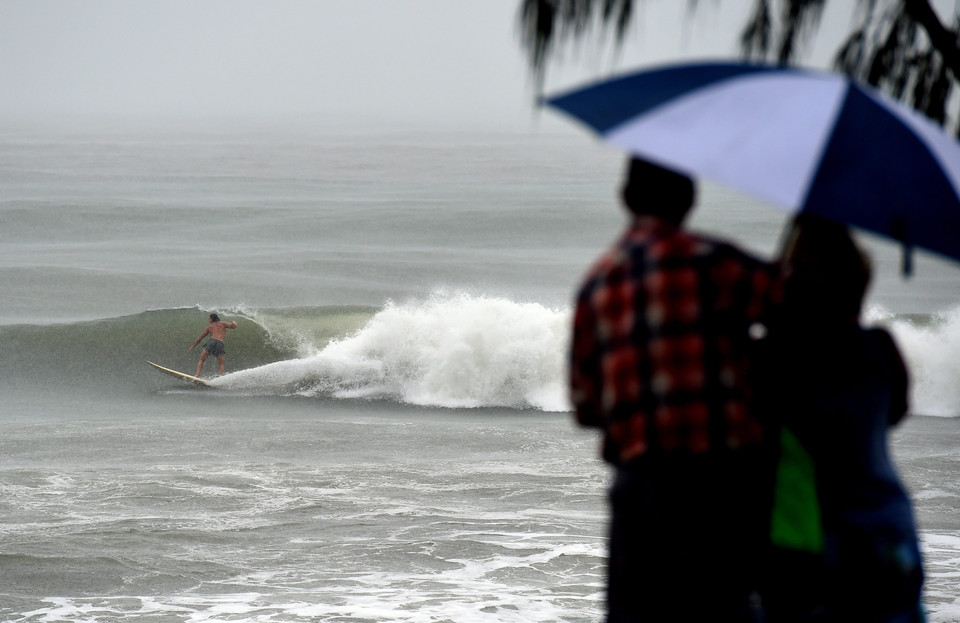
(943, 40)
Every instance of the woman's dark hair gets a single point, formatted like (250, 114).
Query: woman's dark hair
(826, 272)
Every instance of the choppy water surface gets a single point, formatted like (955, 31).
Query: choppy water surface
(391, 442)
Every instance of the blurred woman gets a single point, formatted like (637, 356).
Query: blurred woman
(839, 388)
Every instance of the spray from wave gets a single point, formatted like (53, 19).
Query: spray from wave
(929, 344)
(467, 351)
(447, 351)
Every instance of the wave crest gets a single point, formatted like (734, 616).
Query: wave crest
(457, 351)
(929, 344)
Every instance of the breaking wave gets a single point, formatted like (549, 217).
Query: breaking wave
(450, 350)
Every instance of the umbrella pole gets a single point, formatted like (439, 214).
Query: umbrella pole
(900, 231)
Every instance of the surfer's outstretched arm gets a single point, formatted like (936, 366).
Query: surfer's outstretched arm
(202, 335)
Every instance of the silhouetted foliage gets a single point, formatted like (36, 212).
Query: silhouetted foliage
(898, 46)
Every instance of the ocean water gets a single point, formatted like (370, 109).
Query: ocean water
(392, 440)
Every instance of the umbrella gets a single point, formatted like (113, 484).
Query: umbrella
(803, 140)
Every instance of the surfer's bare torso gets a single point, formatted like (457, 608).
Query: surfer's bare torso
(218, 330)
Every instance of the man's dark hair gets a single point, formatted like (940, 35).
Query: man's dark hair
(214, 318)
(650, 189)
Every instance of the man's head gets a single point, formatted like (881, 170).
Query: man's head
(214, 318)
(650, 189)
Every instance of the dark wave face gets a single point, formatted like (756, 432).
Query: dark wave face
(110, 354)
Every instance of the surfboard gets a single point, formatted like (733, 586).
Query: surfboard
(180, 375)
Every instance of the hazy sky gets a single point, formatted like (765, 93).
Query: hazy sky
(378, 60)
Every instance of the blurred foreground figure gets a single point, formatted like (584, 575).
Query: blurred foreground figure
(838, 388)
(659, 362)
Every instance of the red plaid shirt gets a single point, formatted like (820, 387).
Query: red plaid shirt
(659, 344)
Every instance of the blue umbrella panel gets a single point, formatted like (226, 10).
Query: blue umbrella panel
(803, 140)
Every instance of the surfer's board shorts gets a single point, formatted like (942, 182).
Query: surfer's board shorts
(215, 348)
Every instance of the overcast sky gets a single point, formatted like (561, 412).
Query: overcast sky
(380, 60)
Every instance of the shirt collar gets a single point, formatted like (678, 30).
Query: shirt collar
(649, 225)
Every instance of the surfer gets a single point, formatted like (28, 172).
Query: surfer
(217, 330)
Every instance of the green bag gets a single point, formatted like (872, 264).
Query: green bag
(795, 522)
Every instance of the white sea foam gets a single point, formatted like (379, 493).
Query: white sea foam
(942, 567)
(930, 349)
(461, 350)
(453, 350)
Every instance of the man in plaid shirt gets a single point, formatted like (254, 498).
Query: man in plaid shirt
(659, 362)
